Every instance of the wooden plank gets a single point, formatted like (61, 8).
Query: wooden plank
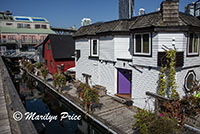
(4, 121)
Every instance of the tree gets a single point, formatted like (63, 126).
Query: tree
(30, 67)
(38, 65)
(59, 80)
(90, 96)
(44, 72)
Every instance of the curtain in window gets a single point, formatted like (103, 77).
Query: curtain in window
(138, 43)
(190, 44)
(146, 43)
(196, 43)
(95, 47)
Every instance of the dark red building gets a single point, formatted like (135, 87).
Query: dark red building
(58, 50)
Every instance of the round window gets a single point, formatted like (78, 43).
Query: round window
(190, 77)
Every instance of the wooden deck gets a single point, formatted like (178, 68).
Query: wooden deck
(4, 121)
(116, 114)
(113, 114)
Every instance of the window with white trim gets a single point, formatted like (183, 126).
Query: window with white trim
(94, 47)
(193, 44)
(142, 44)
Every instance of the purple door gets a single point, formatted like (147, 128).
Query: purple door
(124, 81)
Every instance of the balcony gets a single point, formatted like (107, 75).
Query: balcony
(29, 41)
(7, 52)
(21, 41)
(8, 41)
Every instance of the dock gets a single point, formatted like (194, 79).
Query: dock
(114, 116)
(10, 102)
(4, 120)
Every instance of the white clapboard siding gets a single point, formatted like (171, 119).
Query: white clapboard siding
(84, 65)
(148, 61)
(143, 80)
(180, 78)
(106, 48)
(167, 40)
(180, 44)
(191, 61)
(123, 47)
(107, 73)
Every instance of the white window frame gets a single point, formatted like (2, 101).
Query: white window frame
(142, 53)
(188, 47)
(91, 48)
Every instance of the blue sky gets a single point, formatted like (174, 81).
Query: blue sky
(66, 13)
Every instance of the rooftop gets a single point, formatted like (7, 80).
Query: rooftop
(145, 21)
(63, 46)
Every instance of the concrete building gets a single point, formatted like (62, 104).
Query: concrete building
(19, 34)
(126, 8)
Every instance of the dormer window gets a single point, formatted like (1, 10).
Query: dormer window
(94, 50)
(142, 44)
(193, 44)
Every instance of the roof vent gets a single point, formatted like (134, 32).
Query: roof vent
(141, 11)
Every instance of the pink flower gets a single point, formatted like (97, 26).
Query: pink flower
(161, 114)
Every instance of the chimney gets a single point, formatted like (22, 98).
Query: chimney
(170, 10)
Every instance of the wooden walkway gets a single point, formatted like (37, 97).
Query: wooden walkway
(113, 114)
(10, 102)
(4, 121)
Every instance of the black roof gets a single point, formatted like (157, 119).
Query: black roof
(63, 46)
(125, 25)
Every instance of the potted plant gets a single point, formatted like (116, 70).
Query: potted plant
(38, 65)
(59, 80)
(44, 72)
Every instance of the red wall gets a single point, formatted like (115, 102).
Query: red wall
(48, 55)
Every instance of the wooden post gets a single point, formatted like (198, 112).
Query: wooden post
(157, 99)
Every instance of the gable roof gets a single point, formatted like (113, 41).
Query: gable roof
(125, 25)
(63, 46)
(111, 26)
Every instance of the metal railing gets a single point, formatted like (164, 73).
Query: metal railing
(7, 52)
(21, 41)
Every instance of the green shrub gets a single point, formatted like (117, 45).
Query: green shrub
(38, 65)
(88, 94)
(44, 72)
(59, 80)
(149, 123)
(163, 125)
(30, 67)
